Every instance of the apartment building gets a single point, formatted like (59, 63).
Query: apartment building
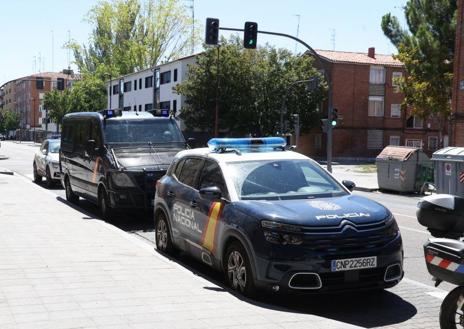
(457, 104)
(140, 90)
(25, 96)
(367, 97)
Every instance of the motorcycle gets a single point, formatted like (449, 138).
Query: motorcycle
(443, 216)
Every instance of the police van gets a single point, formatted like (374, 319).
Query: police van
(274, 219)
(113, 157)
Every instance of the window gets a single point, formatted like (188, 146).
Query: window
(395, 84)
(39, 83)
(149, 82)
(414, 122)
(414, 143)
(148, 106)
(178, 168)
(127, 108)
(433, 142)
(212, 176)
(175, 75)
(374, 139)
(395, 140)
(190, 171)
(375, 106)
(165, 77)
(140, 108)
(128, 86)
(135, 84)
(174, 105)
(377, 75)
(165, 105)
(135, 108)
(115, 89)
(140, 83)
(396, 110)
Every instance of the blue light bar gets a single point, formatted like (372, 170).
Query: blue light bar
(161, 113)
(111, 113)
(247, 144)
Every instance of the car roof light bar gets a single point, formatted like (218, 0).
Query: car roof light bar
(263, 144)
(111, 113)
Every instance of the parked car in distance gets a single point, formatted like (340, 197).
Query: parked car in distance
(46, 162)
(273, 219)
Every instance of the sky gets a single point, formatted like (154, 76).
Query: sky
(34, 32)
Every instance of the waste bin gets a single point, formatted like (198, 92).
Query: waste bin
(449, 170)
(403, 169)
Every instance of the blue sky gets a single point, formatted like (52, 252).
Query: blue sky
(27, 26)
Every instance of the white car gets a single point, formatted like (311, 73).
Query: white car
(46, 162)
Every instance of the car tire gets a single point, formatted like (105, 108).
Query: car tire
(70, 195)
(237, 268)
(48, 178)
(163, 234)
(37, 177)
(106, 212)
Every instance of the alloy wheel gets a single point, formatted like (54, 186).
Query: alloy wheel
(236, 271)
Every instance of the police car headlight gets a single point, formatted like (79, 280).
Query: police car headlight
(55, 165)
(392, 226)
(121, 179)
(280, 233)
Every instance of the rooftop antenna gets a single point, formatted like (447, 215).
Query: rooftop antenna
(332, 38)
(40, 61)
(192, 7)
(53, 52)
(69, 50)
(298, 16)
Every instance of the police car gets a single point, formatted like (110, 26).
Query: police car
(271, 218)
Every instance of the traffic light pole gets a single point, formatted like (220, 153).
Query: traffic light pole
(326, 76)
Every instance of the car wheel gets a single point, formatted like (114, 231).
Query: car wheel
(70, 195)
(37, 177)
(162, 234)
(238, 270)
(106, 211)
(48, 178)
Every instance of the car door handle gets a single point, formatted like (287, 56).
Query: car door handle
(171, 194)
(193, 204)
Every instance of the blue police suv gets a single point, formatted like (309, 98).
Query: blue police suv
(271, 218)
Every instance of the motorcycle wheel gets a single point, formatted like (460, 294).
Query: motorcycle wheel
(451, 310)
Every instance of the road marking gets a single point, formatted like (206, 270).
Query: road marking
(412, 229)
(403, 215)
(438, 294)
(429, 290)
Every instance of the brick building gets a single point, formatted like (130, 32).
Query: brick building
(25, 95)
(368, 99)
(457, 104)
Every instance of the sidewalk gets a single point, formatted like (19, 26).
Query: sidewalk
(366, 182)
(61, 269)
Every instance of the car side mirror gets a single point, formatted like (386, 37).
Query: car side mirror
(44, 151)
(212, 193)
(349, 185)
(91, 146)
(191, 142)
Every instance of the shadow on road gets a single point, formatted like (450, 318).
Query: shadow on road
(364, 309)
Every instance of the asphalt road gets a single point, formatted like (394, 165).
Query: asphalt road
(414, 303)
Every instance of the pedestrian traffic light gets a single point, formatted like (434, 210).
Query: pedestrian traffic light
(60, 84)
(212, 31)
(334, 119)
(250, 35)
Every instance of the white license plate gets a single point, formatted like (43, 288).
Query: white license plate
(353, 264)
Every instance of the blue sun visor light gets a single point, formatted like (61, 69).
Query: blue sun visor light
(107, 114)
(263, 144)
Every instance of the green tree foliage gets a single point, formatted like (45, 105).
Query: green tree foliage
(130, 35)
(9, 120)
(252, 85)
(427, 51)
(88, 94)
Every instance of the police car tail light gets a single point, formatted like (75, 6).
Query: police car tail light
(247, 144)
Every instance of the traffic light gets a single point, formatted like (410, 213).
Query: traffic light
(250, 35)
(334, 119)
(60, 84)
(212, 31)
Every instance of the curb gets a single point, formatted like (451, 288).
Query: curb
(366, 189)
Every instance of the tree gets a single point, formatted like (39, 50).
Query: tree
(427, 51)
(252, 85)
(57, 104)
(129, 35)
(9, 120)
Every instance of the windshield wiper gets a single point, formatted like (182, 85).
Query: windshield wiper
(154, 150)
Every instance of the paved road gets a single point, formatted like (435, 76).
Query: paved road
(412, 304)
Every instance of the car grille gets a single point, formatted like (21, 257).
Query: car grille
(146, 180)
(355, 277)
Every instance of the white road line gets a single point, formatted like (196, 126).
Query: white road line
(413, 229)
(438, 294)
(403, 215)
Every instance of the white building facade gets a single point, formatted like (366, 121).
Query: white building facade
(140, 90)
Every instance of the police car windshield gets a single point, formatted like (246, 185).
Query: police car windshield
(156, 131)
(54, 146)
(282, 179)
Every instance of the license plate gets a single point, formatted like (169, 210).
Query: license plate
(353, 264)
